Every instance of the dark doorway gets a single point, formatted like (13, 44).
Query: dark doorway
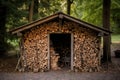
(60, 51)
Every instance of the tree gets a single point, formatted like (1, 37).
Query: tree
(3, 46)
(106, 25)
(31, 9)
(69, 2)
(88, 10)
(35, 10)
(115, 16)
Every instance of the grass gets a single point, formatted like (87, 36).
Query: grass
(116, 38)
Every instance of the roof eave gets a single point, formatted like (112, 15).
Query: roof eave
(34, 23)
(59, 15)
(90, 26)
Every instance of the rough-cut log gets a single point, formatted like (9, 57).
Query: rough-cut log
(86, 47)
(54, 59)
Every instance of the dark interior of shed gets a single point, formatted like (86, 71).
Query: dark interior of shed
(61, 44)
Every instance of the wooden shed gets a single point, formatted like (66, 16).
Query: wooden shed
(60, 42)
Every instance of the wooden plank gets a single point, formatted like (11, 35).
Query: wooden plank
(72, 52)
(48, 51)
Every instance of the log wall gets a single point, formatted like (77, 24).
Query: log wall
(86, 47)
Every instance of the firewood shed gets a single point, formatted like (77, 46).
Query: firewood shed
(59, 42)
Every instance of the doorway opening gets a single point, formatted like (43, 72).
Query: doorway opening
(60, 51)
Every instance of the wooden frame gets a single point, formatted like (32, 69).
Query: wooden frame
(48, 51)
(72, 41)
(71, 35)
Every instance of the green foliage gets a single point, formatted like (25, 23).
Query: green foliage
(116, 38)
(88, 10)
(115, 16)
(18, 11)
(91, 11)
(14, 18)
(48, 7)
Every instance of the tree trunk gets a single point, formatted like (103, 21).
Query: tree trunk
(31, 9)
(2, 29)
(106, 25)
(69, 2)
(36, 4)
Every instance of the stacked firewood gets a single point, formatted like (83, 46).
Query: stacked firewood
(54, 59)
(35, 45)
(87, 52)
(35, 51)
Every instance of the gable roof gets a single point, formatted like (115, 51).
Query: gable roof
(55, 16)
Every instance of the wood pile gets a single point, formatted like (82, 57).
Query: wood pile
(54, 59)
(35, 55)
(87, 53)
(85, 47)
(61, 59)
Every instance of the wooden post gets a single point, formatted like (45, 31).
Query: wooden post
(72, 52)
(48, 51)
(20, 52)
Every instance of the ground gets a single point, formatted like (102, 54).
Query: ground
(8, 64)
(60, 75)
(107, 72)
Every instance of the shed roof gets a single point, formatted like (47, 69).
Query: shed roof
(58, 15)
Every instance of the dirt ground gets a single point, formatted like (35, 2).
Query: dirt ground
(115, 65)
(8, 64)
(107, 72)
(60, 75)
